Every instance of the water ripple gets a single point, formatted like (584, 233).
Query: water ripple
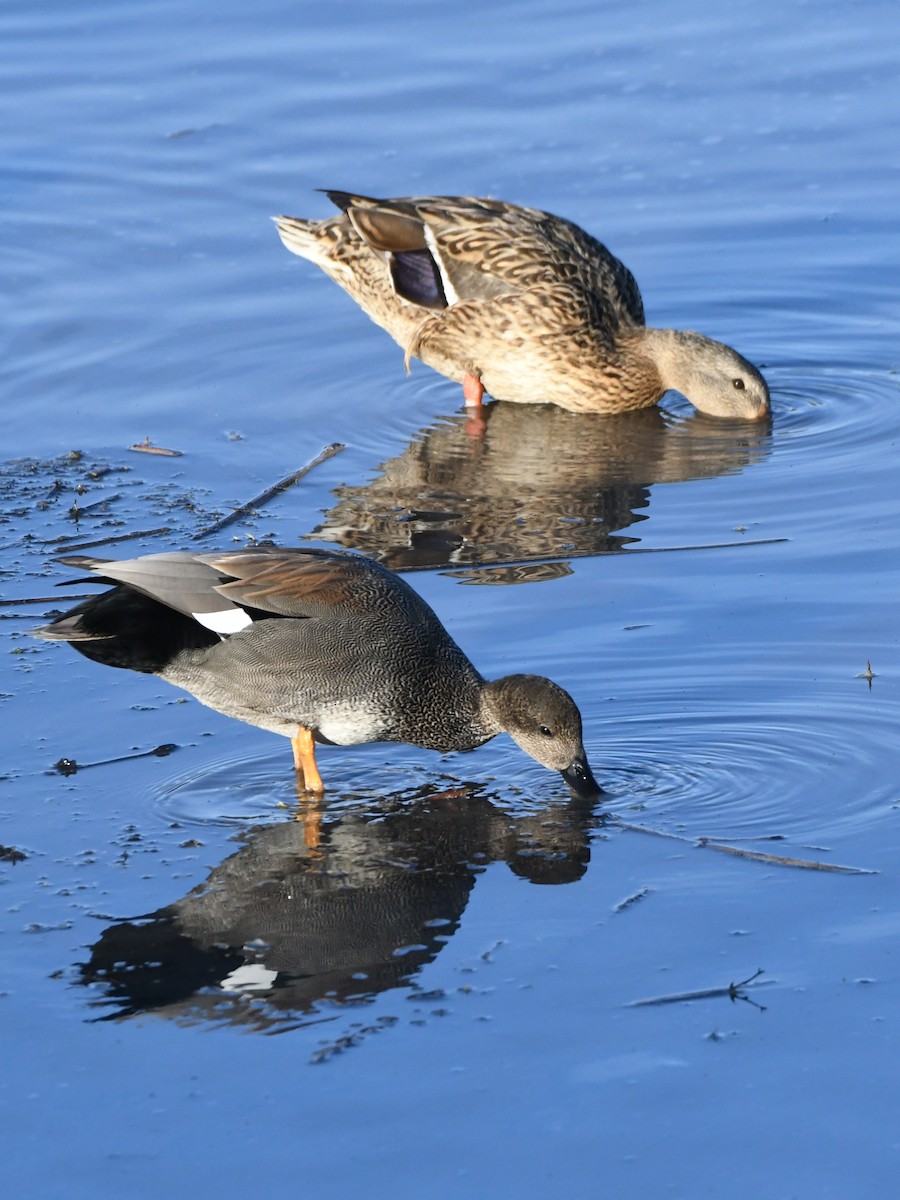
(254, 790)
(789, 769)
(765, 765)
(833, 411)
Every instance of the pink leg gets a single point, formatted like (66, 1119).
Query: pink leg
(473, 390)
(476, 422)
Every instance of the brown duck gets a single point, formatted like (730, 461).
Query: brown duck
(518, 303)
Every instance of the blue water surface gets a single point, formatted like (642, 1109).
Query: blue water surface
(457, 967)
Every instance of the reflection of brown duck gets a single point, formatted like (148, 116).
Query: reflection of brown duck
(518, 302)
(364, 913)
(539, 483)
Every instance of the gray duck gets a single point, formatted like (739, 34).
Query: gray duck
(318, 645)
(518, 303)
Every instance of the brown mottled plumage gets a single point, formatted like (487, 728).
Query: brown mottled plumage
(519, 302)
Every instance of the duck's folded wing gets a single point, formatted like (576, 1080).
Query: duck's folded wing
(181, 581)
(302, 583)
(431, 245)
(443, 250)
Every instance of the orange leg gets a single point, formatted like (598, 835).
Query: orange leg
(473, 390)
(305, 760)
(310, 813)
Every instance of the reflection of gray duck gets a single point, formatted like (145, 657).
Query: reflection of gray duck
(362, 913)
(539, 482)
(519, 303)
(318, 646)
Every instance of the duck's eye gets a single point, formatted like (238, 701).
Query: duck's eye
(738, 384)
(545, 731)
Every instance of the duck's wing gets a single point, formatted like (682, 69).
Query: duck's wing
(179, 580)
(225, 592)
(304, 583)
(446, 250)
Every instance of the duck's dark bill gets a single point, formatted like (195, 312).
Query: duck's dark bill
(579, 778)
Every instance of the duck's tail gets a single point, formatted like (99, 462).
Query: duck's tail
(300, 236)
(123, 628)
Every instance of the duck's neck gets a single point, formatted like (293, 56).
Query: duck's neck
(489, 698)
(669, 352)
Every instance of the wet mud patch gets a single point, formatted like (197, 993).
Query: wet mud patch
(50, 506)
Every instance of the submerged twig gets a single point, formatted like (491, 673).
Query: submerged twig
(276, 489)
(47, 599)
(460, 569)
(632, 899)
(69, 766)
(781, 860)
(775, 860)
(732, 991)
(107, 541)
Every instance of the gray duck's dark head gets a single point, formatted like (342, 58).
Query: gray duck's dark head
(544, 721)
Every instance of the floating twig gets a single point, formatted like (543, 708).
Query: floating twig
(96, 473)
(147, 447)
(76, 511)
(264, 497)
(868, 674)
(733, 991)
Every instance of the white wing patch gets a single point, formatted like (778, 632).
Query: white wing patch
(225, 621)
(449, 290)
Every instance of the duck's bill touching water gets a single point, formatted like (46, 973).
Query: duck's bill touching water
(319, 646)
(518, 303)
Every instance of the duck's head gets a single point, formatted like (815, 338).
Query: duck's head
(544, 721)
(716, 379)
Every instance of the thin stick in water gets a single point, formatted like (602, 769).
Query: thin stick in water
(107, 541)
(782, 860)
(774, 860)
(734, 991)
(264, 497)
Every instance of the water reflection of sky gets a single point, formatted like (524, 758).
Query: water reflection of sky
(740, 163)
